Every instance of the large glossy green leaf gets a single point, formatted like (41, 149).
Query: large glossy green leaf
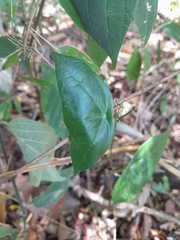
(6, 47)
(134, 66)
(51, 102)
(140, 169)
(69, 8)
(107, 21)
(34, 139)
(87, 109)
(96, 53)
(82, 56)
(172, 30)
(145, 16)
(55, 190)
(7, 233)
(5, 5)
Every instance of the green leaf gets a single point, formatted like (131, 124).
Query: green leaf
(96, 53)
(17, 105)
(163, 103)
(140, 169)
(107, 21)
(55, 190)
(34, 139)
(87, 109)
(10, 61)
(82, 56)
(38, 81)
(5, 5)
(145, 16)
(8, 111)
(162, 187)
(5, 110)
(6, 47)
(134, 66)
(4, 95)
(172, 30)
(147, 60)
(51, 103)
(7, 233)
(69, 8)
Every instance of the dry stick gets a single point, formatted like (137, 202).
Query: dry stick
(150, 87)
(34, 161)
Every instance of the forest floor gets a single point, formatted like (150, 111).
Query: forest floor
(85, 211)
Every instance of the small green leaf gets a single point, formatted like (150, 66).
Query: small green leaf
(96, 53)
(7, 233)
(55, 190)
(17, 105)
(8, 111)
(107, 22)
(38, 81)
(3, 107)
(159, 53)
(4, 95)
(145, 16)
(147, 60)
(6, 47)
(34, 139)
(51, 103)
(140, 169)
(162, 187)
(134, 66)
(5, 110)
(87, 109)
(69, 8)
(10, 61)
(163, 103)
(172, 30)
(82, 56)
(5, 5)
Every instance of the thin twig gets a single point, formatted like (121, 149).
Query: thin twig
(15, 188)
(10, 175)
(150, 87)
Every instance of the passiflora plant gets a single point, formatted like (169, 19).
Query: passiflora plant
(77, 103)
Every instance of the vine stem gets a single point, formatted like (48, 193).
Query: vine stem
(15, 188)
(153, 85)
(10, 175)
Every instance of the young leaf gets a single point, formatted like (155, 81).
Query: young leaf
(87, 109)
(172, 30)
(6, 46)
(145, 16)
(10, 61)
(96, 53)
(34, 139)
(5, 5)
(134, 66)
(51, 102)
(140, 169)
(55, 190)
(107, 21)
(82, 56)
(69, 8)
